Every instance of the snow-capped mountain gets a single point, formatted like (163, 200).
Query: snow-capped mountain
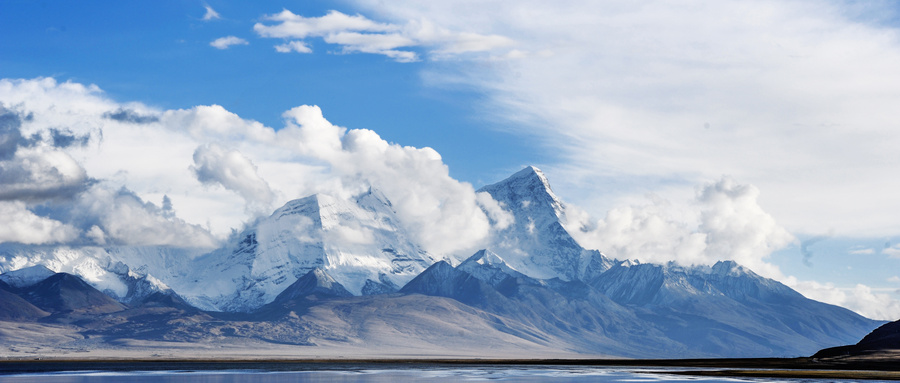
(718, 309)
(534, 285)
(124, 273)
(26, 276)
(489, 267)
(538, 244)
(359, 242)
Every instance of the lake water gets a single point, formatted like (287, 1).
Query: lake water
(357, 373)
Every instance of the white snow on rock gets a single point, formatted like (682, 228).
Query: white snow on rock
(27, 276)
(357, 241)
(538, 244)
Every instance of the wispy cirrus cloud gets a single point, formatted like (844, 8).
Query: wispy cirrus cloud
(656, 97)
(358, 34)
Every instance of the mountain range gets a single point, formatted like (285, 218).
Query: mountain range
(323, 270)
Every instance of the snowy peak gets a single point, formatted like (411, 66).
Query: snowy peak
(489, 267)
(27, 276)
(359, 241)
(731, 268)
(537, 244)
(486, 258)
(307, 207)
(529, 190)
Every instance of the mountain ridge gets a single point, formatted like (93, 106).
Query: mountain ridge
(319, 265)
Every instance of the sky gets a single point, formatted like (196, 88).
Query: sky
(763, 132)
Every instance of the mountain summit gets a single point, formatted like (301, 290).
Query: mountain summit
(538, 244)
(358, 241)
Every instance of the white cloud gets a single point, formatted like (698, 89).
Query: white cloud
(149, 168)
(860, 298)
(358, 34)
(893, 251)
(210, 14)
(227, 41)
(37, 174)
(501, 218)
(725, 222)
(216, 165)
(659, 96)
(290, 25)
(18, 224)
(123, 218)
(293, 46)
(862, 251)
(736, 227)
(443, 214)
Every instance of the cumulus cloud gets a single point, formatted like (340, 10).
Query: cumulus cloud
(39, 174)
(33, 172)
(216, 165)
(18, 224)
(10, 135)
(227, 41)
(727, 222)
(859, 298)
(121, 217)
(358, 34)
(141, 155)
(736, 227)
(442, 213)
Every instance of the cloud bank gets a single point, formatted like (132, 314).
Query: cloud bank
(79, 168)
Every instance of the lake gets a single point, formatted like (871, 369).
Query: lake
(283, 372)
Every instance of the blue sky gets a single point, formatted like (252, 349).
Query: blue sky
(159, 54)
(762, 132)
